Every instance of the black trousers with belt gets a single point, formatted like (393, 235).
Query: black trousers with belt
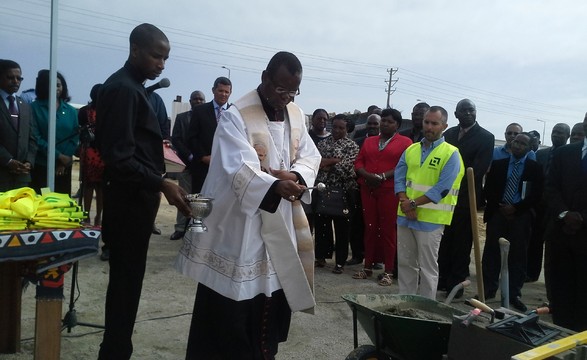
(454, 255)
(129, 214)
(517, 231)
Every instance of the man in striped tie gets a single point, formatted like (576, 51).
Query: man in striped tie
(513, 189)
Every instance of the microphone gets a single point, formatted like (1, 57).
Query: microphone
(163, 83)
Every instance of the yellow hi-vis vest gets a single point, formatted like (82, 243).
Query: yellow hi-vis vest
(420, 179)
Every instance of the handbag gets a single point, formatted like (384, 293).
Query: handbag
(332, 201)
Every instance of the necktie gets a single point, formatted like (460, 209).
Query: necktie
(219, 113)
(512, 185)
(584, 162)
(461, 133)
(13, 110)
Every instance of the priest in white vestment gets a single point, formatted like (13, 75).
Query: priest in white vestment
(254, 265)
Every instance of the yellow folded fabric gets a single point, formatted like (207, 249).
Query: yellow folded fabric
(23, 201)
(22, 208)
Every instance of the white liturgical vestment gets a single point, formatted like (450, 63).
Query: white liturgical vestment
(233, 256)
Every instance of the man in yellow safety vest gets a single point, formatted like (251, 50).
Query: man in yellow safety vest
(427, 181)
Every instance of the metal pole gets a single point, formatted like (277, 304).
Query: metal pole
(224, 67)
(52, 97)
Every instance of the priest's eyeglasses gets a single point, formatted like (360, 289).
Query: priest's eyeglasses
(282, 91)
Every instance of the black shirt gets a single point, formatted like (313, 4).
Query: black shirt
(127, 131)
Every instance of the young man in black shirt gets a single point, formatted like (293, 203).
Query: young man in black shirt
(130, 142)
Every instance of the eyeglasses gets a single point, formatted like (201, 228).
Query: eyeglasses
(282, 91)
(512, 133)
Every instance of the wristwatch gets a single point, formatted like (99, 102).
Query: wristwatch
(413, 204)
(562, 215)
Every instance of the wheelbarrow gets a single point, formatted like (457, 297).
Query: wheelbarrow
(401, 327)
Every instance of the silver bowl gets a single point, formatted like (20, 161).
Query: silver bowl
(201, 208)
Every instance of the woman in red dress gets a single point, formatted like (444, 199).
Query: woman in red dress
(375, 166)
(92, 167)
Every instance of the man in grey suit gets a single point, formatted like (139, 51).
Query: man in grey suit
(18, 146)
(179, 139)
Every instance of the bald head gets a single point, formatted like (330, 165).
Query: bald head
(372, 125)
(196, 98)
(466, 112)
(560, 134)
(149, 49)
(145, 35)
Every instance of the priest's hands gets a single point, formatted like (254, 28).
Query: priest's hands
(289, 190)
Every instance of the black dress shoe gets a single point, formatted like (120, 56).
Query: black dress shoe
(105, 256)
(488, 296)
(176, 235)
(518, 304)
(354, 261)
(156, 230)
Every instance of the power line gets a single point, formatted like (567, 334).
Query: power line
(368, 72)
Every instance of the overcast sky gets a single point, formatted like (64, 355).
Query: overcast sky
(519, 61)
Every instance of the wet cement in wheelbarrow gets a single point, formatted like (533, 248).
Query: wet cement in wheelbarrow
(418, 314)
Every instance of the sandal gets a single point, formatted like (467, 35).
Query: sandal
(337, 269)
(363, 274)
(385, 279)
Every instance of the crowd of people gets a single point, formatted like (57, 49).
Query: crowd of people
(398, 196)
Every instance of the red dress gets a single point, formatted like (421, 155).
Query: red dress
(380, 204)
(92, 166)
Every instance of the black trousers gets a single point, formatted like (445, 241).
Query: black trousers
(517, 231)
(62, 182)
(224, 329)
(454, 255)
(536, 244)
(568, 254)
(358, 229)
(129, 214)
(325, 237)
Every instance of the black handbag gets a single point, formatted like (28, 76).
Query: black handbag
(332, 201)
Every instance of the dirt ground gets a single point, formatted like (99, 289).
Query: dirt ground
(167, 299)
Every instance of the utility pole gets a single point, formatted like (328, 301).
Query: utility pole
(391, 82)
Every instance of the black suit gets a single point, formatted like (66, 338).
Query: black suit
(18, 144)
(516, 229)
(536, 245)
(454, 256)
(200, 136)
(179, 136)
(566, 190)
(414, 136)
(179, 139)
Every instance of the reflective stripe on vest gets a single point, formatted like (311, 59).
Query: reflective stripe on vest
(421, 178)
